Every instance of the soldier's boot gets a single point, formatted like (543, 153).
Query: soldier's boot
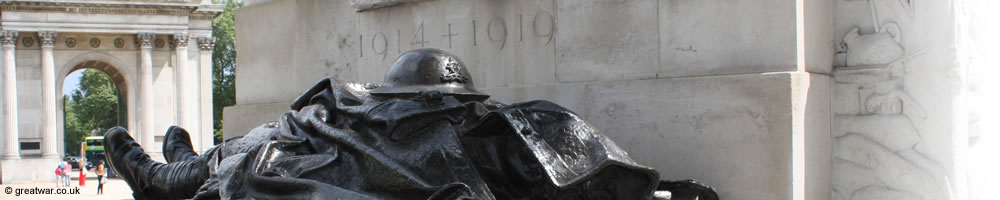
(150, 179)
(177, 145)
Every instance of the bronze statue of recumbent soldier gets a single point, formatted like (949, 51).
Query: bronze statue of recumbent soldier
(425, 133)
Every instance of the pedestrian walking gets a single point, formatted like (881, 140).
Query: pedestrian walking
(83, 171)
(67, 169)
(59, 175)
(101, 179)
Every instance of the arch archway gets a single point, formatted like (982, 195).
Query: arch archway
(120, 78)
(111, 61)
(116, 76)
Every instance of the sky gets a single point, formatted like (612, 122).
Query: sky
(72, 82)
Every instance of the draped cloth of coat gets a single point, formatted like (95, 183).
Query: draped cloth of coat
(340, 142)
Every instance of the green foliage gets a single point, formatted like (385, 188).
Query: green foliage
(74, 132)
(91, 108)
(224, 66)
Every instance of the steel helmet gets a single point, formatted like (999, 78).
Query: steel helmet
(429, 69)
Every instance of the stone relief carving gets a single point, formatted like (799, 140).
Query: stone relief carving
(70, 42)
(47, 38)
(894, 102)
(119, 43)
(363, 5)
(871, 49)
(160, 43)
(179, 40)
(8, 37)
(95, 43)
(206, 43)
(884, 45)
(144, 40)
(877, 123)
(28, 41)
(878, 139)
(890, 11)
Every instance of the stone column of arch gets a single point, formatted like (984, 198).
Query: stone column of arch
(206, 44)
(187, 114)
(145, 43)
(11, 145)
(47, 38)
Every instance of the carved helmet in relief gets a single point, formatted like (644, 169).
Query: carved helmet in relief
(429, 69)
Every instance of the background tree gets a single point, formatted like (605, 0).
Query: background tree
(224, 66)
(73, 131)
(91, 108)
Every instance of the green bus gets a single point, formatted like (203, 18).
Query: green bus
(93, 150)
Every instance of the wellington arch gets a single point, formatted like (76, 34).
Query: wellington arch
(109, 66)
(137, 44)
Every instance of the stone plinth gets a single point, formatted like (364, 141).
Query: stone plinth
(251, 116)
(713, 90)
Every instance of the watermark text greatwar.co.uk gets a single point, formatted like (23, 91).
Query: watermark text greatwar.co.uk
(40, 190)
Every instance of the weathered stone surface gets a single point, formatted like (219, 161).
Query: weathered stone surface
(848, 100)
(251, 73)
(692, 128)
(320, 44)
(895, 102)
(818, 36)
(887, 167)
(525, 55)
(247, 117)
(871, 49)
(606, 40)
(726, 37)
(866, 74)
(894, 132)
(817, 147)
(313, 47)
(27, 176)
(571, 96)
(849, 177)
(882, 192)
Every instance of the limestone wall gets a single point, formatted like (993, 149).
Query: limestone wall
(516, 43)
(719, 91)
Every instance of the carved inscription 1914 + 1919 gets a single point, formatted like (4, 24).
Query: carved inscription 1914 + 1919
(541, 24)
